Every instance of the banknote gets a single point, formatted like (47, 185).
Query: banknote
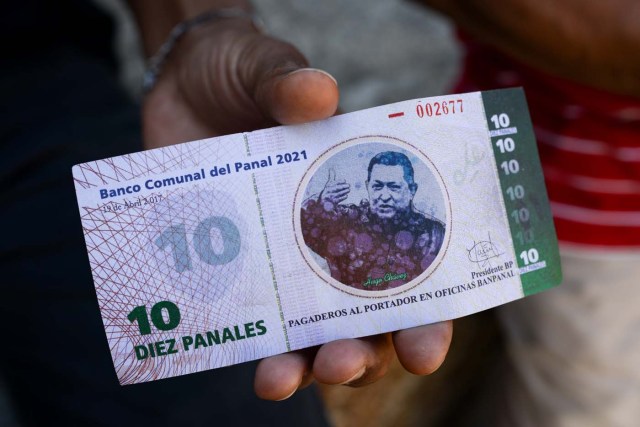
(220, 251)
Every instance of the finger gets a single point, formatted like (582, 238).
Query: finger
(256, 80)
(338, 188)
(353, 362)
(307, 380)
(340, 198)
(300, 96)
(341, 184)
(422, 350)
(340, 194)
(274, 73)
(278, 377)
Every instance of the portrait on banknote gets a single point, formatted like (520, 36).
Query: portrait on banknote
(372, 216)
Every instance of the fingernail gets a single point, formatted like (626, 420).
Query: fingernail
(314, 70)
(287, 396)
(357, 376)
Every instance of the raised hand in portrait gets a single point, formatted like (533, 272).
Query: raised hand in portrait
(335, 191)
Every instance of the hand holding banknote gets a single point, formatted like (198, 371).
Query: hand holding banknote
(228, 77)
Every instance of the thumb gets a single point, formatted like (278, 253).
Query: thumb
(300, 96)
(228, 78)
(284, 89)
(332, 175)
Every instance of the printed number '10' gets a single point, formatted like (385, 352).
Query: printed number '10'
(525, 236)
(520, 215)
(176, 238)
(510, 167)
(506, 145)
(515, 192)
(530, 256)
(139, 314)
(500, 120)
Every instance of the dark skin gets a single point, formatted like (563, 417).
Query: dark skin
(228, 77)
(588, 41)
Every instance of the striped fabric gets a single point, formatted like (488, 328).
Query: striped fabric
(589, 143)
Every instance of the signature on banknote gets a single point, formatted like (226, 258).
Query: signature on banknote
(483, 252)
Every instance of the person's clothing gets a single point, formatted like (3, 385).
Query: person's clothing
(368, 252)
(589, 143)
(573, 349)
(35, 27)
(62, 106)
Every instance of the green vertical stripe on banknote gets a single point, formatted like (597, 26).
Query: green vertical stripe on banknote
(524, 193)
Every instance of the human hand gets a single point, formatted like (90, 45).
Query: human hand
(334, 191)
(354, 362)
(227, 77)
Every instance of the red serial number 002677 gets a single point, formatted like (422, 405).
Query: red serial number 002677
(430, 109)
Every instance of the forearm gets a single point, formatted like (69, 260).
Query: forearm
(590, 41)
(156, 18)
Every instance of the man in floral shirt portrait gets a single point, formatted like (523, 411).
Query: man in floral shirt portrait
(383, 242)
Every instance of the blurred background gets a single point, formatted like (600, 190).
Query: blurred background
(380, 51)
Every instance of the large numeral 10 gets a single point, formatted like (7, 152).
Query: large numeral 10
(175, 237)
(139, 314)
